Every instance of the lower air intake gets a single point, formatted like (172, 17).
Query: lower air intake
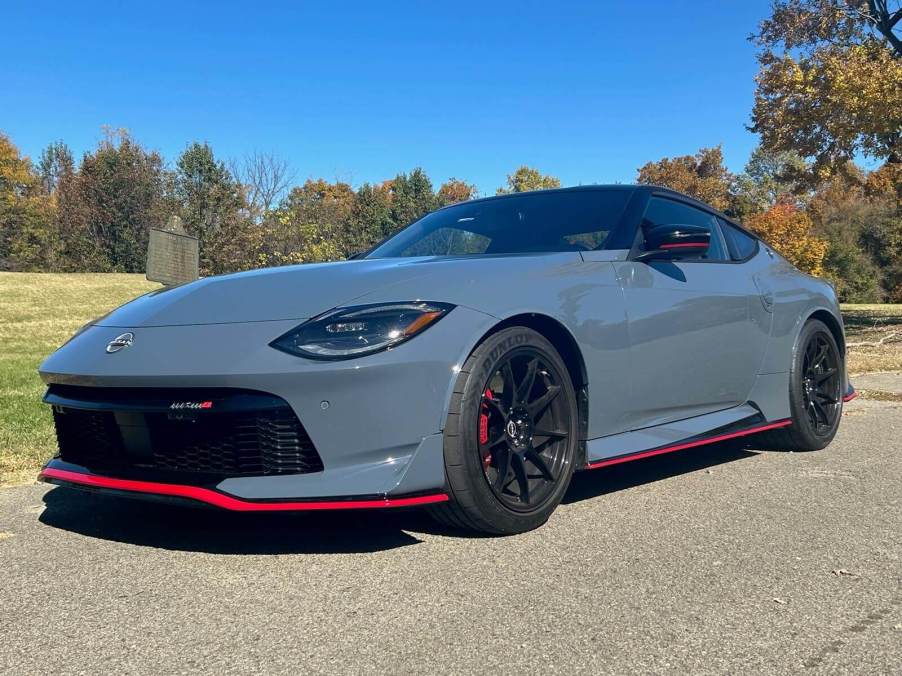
(241, 434)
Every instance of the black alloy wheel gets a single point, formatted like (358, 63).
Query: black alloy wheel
(511, 435)
(523, 431)
(816, 381)
(822, 386)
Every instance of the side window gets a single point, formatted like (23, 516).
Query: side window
(740, 245)
(662, 211)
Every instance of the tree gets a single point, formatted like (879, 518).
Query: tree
(860, 215)
(883, 17)
(526, 178)
(412, 197)
(702, 176)
(371, 217)
(828, 84)
(312, 224)
(788, 229)
(56, 160)
(213, 209)
(108, 206)
(265, 178)
(454, 190)
(27, 240)
(769, 178)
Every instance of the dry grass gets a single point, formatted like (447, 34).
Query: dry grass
(874, 337)
(38, 312)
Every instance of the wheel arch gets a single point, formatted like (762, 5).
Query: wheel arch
(832, 323)
(565, 343)
(835, 326)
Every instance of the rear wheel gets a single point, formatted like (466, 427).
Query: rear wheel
(511, 435)
(815, 391)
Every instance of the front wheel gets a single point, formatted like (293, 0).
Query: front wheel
(511, 435)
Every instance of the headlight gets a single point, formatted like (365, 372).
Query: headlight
(356, 331)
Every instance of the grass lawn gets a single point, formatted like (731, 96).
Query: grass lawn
(38, 312)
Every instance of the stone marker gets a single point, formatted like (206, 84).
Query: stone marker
(172, 255)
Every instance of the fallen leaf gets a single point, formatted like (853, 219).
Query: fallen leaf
(4, 535)
(782, 602)
(841, 572)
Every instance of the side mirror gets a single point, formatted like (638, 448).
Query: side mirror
(675, 241)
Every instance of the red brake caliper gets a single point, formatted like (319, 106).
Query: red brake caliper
(484, 428)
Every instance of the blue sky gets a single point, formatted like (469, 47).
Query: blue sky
(362, 90)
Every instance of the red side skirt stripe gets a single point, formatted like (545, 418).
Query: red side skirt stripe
(688, 444)
(224, 501)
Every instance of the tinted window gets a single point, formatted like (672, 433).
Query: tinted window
(578, 220)
(661, 211)
(740, 244)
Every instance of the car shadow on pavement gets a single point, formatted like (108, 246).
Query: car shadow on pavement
(181, 528)
(592, 484)
(213, 531)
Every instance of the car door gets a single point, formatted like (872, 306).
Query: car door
(696, 339)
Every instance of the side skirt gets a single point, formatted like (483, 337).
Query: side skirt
(692, 442)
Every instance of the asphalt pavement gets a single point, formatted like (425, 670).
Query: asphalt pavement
(712, 560)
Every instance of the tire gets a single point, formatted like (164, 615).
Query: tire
(804, 434)
(498, 439)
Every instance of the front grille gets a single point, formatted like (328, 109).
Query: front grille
(217, 443)
(89, 438)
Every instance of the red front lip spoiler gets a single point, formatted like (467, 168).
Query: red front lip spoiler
(217, 499)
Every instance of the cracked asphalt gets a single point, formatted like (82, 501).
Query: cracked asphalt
(718, 559)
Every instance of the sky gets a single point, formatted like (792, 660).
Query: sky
(359, 91)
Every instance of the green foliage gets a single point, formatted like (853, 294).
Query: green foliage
(860, 216)
(27, 238)
(95, 215)
(210, 203)
(769, 178)
(412, 197)
(371, 217)
(56, 161)
(526, 178)
(311, 224)
(107, 208)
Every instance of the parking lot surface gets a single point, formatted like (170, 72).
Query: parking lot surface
(712, 560)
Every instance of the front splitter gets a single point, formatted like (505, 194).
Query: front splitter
(65, 477)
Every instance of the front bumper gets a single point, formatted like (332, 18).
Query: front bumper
(375, 421)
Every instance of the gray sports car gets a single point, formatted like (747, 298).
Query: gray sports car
(470, 363)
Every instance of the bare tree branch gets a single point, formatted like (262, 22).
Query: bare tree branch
(265, 177)
(879, 16)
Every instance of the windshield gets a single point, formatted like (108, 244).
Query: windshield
(577, 220)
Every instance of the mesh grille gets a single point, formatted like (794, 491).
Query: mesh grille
(246, 443)
(89, 438)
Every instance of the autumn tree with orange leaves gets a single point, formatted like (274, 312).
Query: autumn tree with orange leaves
(789, 230)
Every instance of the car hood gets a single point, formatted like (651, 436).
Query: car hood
(291, 292)
(486, 283)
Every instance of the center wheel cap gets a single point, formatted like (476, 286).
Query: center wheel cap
(519, 428)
